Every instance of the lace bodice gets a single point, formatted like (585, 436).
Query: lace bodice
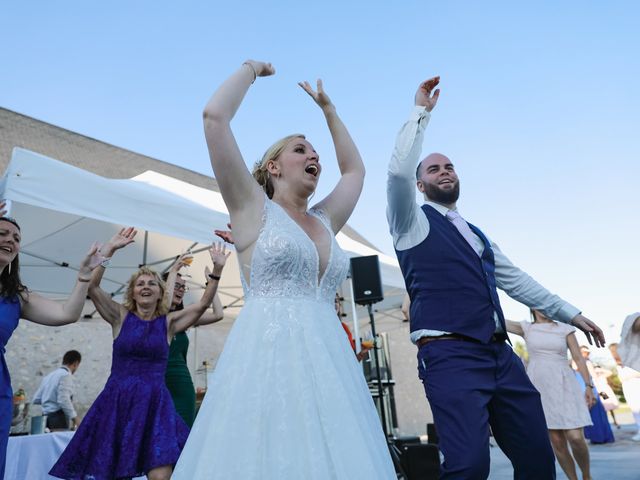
(285, 260)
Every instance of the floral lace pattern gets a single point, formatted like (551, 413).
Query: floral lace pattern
(133, 425)
(285, 261)
(287, 398)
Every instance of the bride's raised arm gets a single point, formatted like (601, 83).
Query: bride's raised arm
(240, 191)
(339, 204)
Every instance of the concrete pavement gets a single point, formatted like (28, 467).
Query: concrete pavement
(612, 461)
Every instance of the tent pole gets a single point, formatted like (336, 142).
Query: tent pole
(194, 366)
(144, 248)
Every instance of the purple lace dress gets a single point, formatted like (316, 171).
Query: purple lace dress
(132, 426)
(9, 317)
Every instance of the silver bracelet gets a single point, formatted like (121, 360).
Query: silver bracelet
(255, 74)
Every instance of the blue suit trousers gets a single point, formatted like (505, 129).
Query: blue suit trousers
(472, 387)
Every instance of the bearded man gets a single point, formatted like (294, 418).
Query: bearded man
(472, 378)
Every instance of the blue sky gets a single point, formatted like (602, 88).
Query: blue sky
(539, 106)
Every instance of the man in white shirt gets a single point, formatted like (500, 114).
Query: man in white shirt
(452, 271)
(55, 394)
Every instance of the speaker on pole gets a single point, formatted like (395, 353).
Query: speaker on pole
(365, 275)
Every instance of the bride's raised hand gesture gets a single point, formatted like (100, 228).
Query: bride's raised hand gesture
(319, 95)
(339, 204)
(241, 193)
(260, 69)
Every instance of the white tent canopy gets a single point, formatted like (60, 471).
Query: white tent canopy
(63, 209)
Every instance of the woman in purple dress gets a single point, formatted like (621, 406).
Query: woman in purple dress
(17, 301)
(133, 429)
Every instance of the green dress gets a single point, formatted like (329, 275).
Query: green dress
(178, 379)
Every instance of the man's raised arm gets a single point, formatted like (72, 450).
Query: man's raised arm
(401, 209)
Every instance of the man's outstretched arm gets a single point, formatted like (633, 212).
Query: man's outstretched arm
(521, 287)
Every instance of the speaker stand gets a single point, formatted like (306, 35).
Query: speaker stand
(393, 449)
(376, 355)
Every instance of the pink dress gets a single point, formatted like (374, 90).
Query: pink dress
(563, 402)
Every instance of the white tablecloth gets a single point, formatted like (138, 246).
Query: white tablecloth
(32, 456)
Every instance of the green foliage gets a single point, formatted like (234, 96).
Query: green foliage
(521, 350)
(616, 385)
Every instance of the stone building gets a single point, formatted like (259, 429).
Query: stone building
(35, 350)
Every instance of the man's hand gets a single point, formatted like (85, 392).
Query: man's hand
(425, 96)
(590, 329)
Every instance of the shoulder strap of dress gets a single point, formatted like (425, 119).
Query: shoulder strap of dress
(322, 216)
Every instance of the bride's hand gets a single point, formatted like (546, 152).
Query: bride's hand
(260, 69)
(319, 96)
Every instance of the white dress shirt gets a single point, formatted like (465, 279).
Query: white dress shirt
(55, 393)
(409, 227)
(629, 346)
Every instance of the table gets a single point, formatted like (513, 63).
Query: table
(32, 456)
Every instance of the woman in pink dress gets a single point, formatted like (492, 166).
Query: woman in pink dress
(566, 409)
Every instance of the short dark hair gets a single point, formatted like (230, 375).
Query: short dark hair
(71, 357)
(418, 170)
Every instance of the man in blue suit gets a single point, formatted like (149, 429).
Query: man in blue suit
(452, 271)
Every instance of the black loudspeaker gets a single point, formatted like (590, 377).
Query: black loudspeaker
(365, 274)
(402, 441)
(421, 462)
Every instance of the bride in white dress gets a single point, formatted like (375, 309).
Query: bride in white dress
(287, 399)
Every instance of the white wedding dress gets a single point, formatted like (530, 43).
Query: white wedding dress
(287, 399)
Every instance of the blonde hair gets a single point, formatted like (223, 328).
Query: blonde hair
(260, 172)
(130, 304)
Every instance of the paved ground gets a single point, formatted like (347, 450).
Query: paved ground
(612, 461)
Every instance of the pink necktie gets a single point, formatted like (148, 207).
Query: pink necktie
(463, 227)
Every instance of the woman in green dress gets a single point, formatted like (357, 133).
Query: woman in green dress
(177, 376)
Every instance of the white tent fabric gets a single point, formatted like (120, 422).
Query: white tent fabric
(63, 209)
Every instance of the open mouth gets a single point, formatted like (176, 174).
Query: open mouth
(6, 249)
(312, 169)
